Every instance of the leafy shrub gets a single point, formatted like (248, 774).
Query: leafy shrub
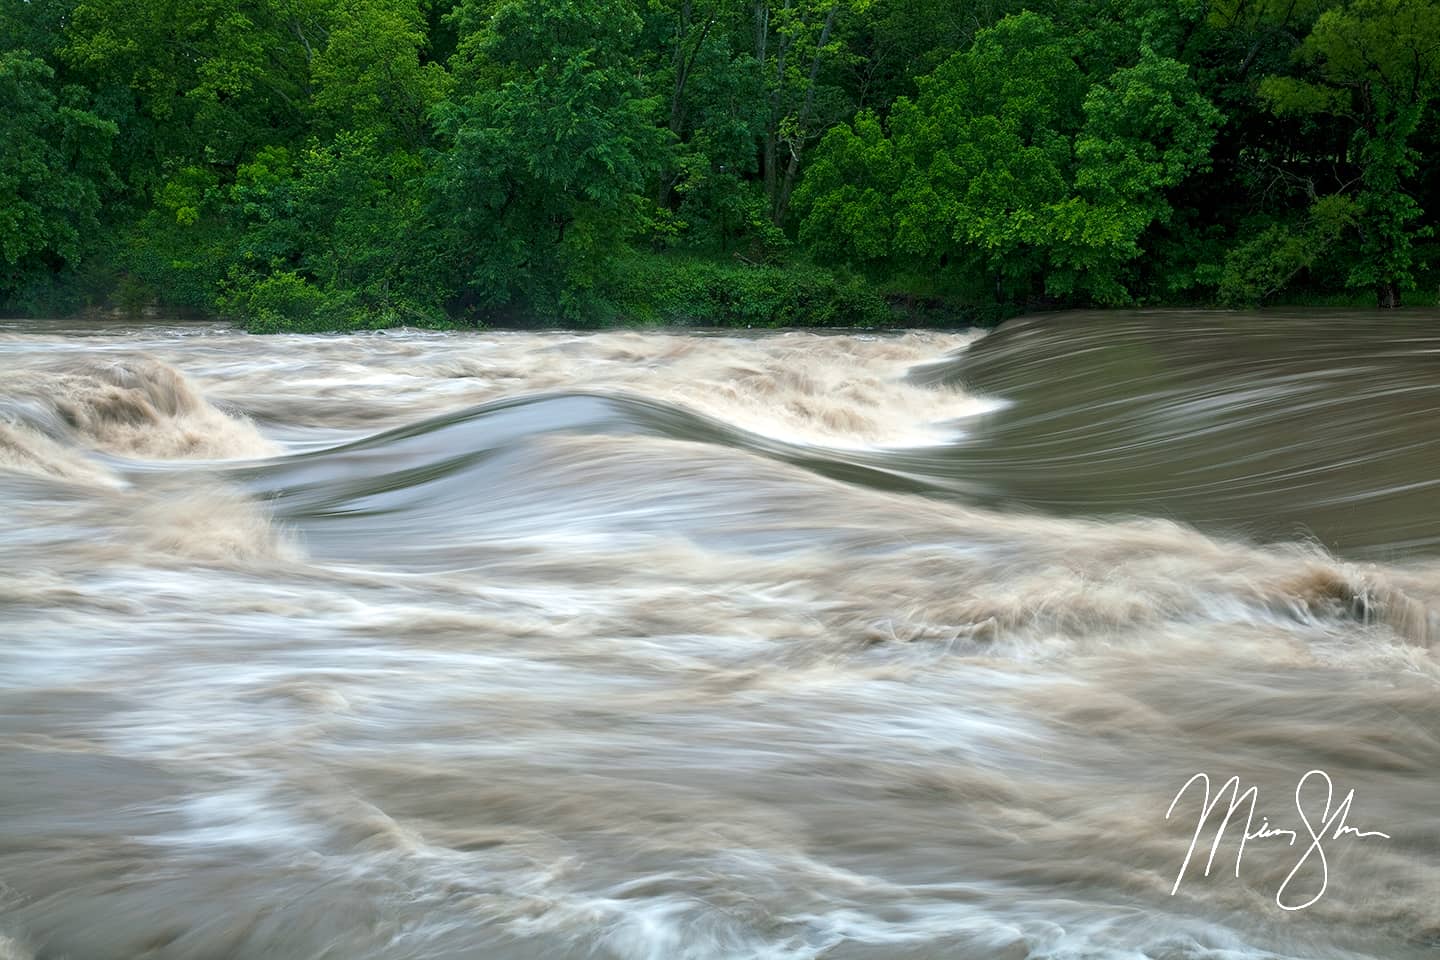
(695, 292)
(286, 301)
(1266, 264)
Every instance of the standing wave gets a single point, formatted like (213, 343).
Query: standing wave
(136, 407)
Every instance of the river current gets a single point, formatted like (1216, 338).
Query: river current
(691, 646)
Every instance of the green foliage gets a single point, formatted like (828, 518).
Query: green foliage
(1266, 264)
(712, 102)
(369, 77)
(326, 164)
(546, 152)
(163, 261)
(54, 171)
(284, 300)
(333, 213)
(701, 292)
(1147, 129)
(1013, 165)
(209, 79)
(1374, 65)
(848, 193)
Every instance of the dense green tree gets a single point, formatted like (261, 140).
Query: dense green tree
(1265, 265)
(1375, 66)
(710, 91)
(370, 76)
(1013, 167)
(54, 171)
(794, 40)
(211, 80)
(333, 163)
(975, 168)
(1147, 128)
(548, 147)
(36, 27)
(895, 42)
(331, 231)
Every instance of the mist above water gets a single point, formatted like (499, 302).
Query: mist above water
(663, 645)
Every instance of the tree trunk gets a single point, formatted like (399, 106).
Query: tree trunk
(762, 37)
(782, 201)
(677, 116)
(772, 122)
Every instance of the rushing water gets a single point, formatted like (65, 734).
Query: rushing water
(689, 646)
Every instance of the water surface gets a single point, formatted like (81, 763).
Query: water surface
(670, 645)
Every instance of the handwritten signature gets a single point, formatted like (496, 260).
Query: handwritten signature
(1331, 825)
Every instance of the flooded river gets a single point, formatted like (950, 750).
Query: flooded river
(688, 646)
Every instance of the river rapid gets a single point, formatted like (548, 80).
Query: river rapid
(681, 646)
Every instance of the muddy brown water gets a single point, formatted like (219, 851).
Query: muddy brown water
(694, 645)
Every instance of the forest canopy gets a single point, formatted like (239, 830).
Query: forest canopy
(325, 164)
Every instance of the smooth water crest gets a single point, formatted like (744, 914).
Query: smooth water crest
(652, 646)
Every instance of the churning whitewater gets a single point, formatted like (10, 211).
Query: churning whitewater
(651, 646)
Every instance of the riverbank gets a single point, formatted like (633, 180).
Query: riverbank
(644, 291)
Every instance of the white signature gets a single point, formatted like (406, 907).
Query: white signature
(1330, 826)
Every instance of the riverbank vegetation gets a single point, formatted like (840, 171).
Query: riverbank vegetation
(323, 164)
